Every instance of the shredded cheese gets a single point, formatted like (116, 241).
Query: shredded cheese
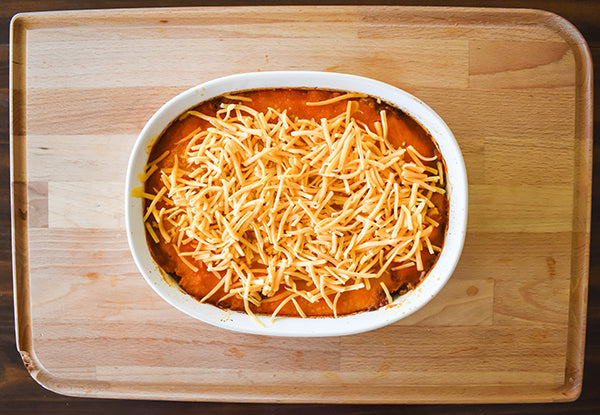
(266, 202)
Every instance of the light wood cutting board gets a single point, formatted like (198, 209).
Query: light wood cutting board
(513, 85)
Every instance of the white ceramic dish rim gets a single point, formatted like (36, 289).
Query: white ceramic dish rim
(290, 326)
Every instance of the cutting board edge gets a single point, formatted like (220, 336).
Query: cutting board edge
(582, 199)
(489, 394)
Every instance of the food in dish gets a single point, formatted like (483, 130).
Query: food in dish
(295, 202)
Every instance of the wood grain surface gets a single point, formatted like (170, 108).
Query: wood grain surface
(505, 329)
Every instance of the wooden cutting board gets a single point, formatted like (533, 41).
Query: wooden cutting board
(513, 85)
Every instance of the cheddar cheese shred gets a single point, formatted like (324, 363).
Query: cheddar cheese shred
(282, 211)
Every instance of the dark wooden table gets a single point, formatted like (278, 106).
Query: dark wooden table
(19, 393)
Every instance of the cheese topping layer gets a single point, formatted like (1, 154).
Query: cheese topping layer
(265, 200)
